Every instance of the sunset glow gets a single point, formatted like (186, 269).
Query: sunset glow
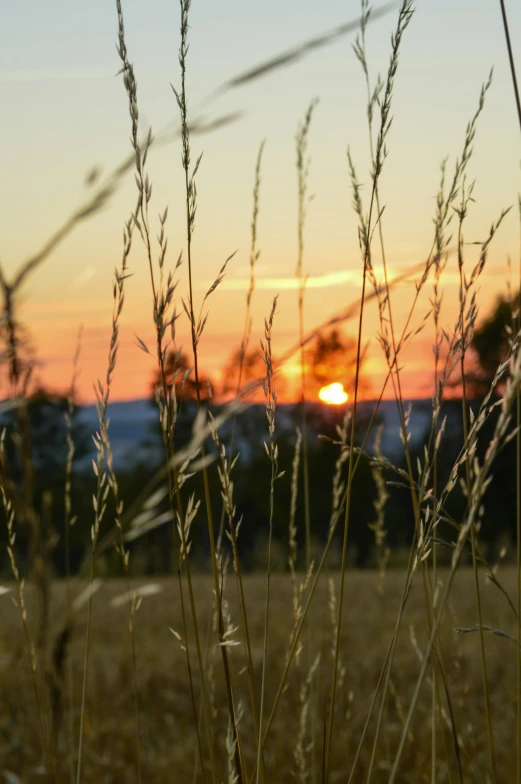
(81, 111)
(333, 394)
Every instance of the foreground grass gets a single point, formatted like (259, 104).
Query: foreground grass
(168, 739)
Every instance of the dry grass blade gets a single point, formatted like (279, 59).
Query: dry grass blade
(294, 54)
(497, 632)
(511, 61)
(454, 731)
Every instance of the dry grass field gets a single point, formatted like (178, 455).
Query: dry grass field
(168, 739)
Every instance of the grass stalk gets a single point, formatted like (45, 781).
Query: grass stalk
(517, 321)
(442, 219)
(272, 452)
(162, 300)
(384, 303)
(511, 60)
(303, 201)
(466, 197)
(479, 485)
(68, 522)
(518, 437)
(103, 456)
(196, 331)
(438, 337)
(318, 572)
(225, 469)
(329, 735)
(79, 756)
(254, 256)
(9, 513)
(404, 17)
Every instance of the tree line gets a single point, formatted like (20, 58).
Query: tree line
(331, 357)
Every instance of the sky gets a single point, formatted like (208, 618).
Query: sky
(64, 111)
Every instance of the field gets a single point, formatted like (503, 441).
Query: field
(165, 709)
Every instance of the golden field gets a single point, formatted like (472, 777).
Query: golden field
(165, 708)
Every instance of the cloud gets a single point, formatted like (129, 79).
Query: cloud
(352, 277)
(336, 278)
(87, 274)
(313, 281)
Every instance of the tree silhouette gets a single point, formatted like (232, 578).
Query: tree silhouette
(32, 473)
(180, 372)
(47, 430)
(330, 359)
(253, 369)
(491, 343)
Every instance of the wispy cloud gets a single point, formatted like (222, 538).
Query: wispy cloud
(328, 279)
(278, 284)
(352, 277)
(85, 275)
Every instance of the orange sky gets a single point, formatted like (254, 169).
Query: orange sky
(53, 330)
(64, 114)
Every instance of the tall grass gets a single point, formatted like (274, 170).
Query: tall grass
(285, 719)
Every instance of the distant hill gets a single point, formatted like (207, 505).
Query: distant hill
(132, 423)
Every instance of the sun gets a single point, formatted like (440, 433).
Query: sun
(333, 394)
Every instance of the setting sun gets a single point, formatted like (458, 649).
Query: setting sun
(333, 394)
